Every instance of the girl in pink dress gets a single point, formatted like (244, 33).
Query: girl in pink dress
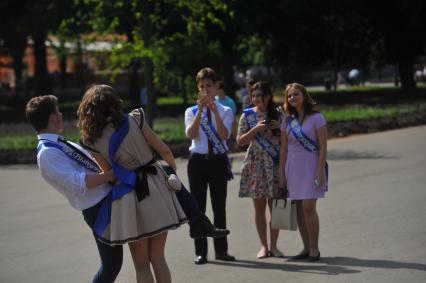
(303, 163)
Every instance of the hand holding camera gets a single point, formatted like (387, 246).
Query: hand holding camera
(202, 99)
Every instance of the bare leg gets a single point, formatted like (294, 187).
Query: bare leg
(140, 255)
(312, 225)
(158, 260)
(273, 233)
(302, 227)
(260, 221)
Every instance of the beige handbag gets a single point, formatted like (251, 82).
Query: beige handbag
(284, 215)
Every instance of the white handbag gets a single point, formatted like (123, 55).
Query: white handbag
(173, 182)
(284, 215)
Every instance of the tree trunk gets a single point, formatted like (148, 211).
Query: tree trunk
(41, 74)
(228, 65)
(63, 63)
(18, 54)
(184, 94)
(152, 101)
(406, 71)
(134, 87)
(147, 27)
(227, 39)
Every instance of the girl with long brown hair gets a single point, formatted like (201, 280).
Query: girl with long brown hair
(303, 166)
(142, 214)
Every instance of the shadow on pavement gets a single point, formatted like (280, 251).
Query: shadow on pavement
(326, 266)
(352, 155)
(373, 263)
(285, 266)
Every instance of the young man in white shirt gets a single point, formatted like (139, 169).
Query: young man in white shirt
(84, 186)
(208, 124)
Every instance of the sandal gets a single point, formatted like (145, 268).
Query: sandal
(276, 253)
(265, 254)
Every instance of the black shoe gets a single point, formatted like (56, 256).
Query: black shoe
(200, 260)
(315, 258)
(225, 257)
(300, 256)
(204, 228)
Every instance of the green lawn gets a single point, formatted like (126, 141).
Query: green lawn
(172, 129)
(366, 113)
(169, 130)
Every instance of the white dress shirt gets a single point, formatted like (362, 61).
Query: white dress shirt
(200, 143)
(68, 176)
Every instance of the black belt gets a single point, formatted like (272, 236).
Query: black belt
(141, 185)
(207, 156)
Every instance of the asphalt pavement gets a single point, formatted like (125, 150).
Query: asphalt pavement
(373, 224)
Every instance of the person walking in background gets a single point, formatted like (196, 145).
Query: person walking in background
(209, 124)
(259, 127)
(223, 99)
(303, 168)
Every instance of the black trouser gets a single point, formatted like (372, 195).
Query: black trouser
(186, 201)
(111, 256)
(211, 172)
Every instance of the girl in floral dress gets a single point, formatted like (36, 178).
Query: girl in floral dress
(259, 128)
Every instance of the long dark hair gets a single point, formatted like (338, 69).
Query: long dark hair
(271, 108)
(100, 105)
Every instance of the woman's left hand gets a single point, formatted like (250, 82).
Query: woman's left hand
(320, 178)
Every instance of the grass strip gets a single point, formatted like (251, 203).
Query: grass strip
(173, 130)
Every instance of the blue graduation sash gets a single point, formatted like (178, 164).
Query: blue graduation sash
(303, 139)
(213, 137)
(76, 156)
(266, 144)
(126, 178)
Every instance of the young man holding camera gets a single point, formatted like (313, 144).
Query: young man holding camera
(208, 124)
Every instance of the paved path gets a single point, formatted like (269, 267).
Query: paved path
(373, 225)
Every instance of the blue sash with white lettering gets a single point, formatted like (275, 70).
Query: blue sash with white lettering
(213, 137)
(302, 138)
(126, 179)
(266, 144)
(78, 157)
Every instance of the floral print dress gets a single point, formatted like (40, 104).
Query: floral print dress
(259, 175)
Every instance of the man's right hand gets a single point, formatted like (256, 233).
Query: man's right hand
(202, 102)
